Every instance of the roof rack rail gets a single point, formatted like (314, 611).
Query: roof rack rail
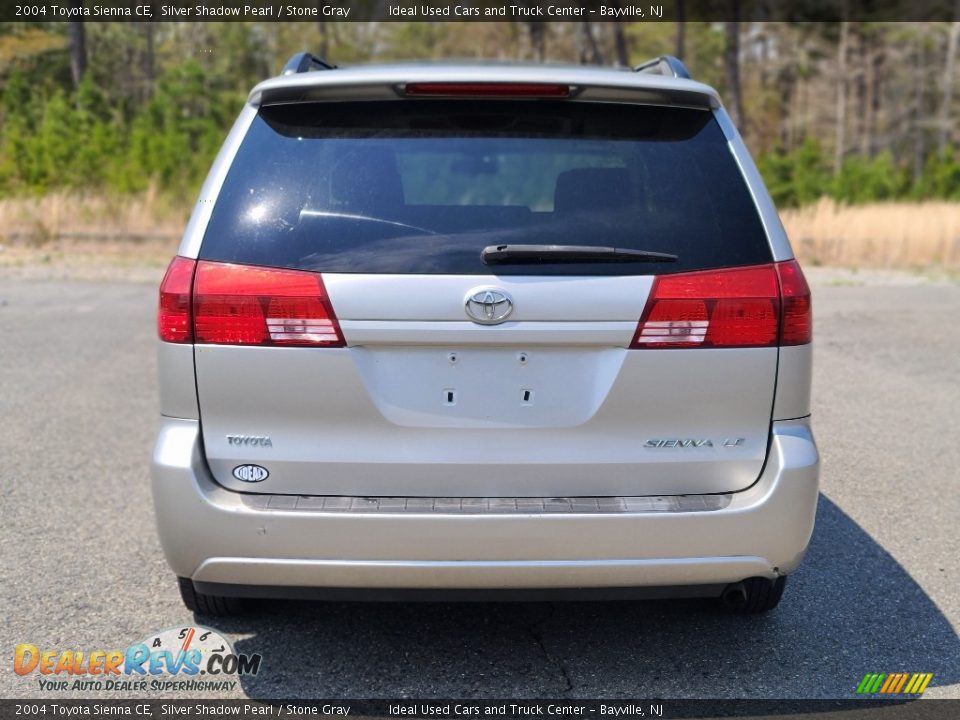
(305, 62)
(667, 65)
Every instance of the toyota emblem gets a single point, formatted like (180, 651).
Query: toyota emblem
(488, 306)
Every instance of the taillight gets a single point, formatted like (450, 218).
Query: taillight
(738, 307)
(246, 305)
(173, 316)
(486, 89)
(797, 324)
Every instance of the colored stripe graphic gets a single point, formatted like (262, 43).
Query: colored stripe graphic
(903, 680)
(894, 683)
(870, 683)
(914, 681)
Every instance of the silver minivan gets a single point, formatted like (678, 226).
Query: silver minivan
(484, 331)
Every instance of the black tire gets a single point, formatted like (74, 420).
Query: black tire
(212, 605)
(753, 596)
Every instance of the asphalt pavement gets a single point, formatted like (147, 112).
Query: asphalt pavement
(81, 567)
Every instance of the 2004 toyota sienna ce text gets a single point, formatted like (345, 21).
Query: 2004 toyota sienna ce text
(479, 329)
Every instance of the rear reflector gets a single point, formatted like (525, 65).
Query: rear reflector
(246, 305)
(739, 307)
(173, 316)
(438, 89)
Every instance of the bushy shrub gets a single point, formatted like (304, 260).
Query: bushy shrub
(52, 139)
(803, 175)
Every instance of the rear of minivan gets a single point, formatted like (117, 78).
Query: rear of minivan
(484, 329)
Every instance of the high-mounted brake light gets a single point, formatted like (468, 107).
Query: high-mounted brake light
(173, 315)
(757, 306)
(246, 305)
(481, 89)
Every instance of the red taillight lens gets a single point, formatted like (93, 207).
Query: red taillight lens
(246, 305)
(173, 316)
(448, 89)
(741, 307)
(797, 323)
(715, 308)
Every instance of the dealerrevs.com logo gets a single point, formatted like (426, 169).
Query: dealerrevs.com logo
(182, 658)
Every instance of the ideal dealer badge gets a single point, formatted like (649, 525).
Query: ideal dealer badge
(250, 473)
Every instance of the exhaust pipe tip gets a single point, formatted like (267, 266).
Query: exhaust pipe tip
(734, 596)
(753, 595)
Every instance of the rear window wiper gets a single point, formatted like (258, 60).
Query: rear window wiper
(550, 254)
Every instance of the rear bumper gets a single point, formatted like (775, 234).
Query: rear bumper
(221, 538)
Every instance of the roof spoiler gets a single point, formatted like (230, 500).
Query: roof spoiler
(305, 78)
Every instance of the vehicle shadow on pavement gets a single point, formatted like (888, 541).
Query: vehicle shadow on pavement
(849, 610)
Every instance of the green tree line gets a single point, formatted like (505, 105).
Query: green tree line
(804, 175)
(150, 104)
(53, 138)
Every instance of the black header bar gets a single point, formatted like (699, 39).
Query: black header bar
(476, 10)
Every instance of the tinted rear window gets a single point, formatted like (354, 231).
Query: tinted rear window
(422, 186)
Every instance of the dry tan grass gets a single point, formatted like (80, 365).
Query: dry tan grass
(66, 235)
(63, 235)
(880, 235)
(67, 216)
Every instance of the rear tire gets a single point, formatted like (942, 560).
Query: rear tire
(212, 605)
(753, 596)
